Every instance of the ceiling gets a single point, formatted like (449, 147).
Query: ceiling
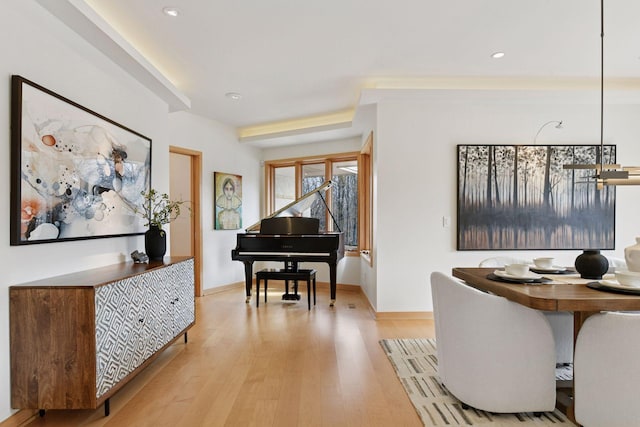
(304, 67)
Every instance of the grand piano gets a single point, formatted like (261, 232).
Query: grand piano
(290, 236)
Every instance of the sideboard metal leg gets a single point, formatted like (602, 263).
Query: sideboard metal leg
(107, 409)
(41, 413)
(185, 337)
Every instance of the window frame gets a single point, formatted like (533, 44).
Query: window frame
(365, 200)
(270, 167)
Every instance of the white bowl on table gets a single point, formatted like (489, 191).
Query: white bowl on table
(544, 262)
(516, 270)
(628, 278)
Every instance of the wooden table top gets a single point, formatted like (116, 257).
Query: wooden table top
(565, 293)
(101, 275)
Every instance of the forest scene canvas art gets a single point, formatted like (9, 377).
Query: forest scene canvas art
(521, 197)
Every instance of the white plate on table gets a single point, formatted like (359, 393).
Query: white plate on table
(553, 269)
(616, 285)
(529, 276)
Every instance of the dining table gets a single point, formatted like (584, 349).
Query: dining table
(564, 291)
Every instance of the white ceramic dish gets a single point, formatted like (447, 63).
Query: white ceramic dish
(516, 269)
(628, 278)
(543, 262)
(614, 284)
(548, 270)
(529, 276)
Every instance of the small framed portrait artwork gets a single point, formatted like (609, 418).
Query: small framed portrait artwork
(228, 201)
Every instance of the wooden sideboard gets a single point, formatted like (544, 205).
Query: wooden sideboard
(78, 338)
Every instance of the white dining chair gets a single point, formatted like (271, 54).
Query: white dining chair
(606, 371)
(616, 264)
(493, 354)
(561, 322)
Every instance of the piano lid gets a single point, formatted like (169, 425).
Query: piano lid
(298, 207)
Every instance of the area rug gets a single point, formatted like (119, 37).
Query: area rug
(415, 363)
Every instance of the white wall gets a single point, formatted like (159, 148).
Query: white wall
(368, 120)
(415, 152)
(221, 153)
(312, 149)
(41, 49)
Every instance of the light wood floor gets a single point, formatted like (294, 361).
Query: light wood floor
(276, 365)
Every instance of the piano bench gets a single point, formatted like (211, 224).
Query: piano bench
(308, 275)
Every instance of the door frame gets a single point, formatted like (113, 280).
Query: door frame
(196, 221)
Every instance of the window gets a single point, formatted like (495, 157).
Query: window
(365, 199)
(284, 188)
(313, 176)
(344, 200)
(299, 176)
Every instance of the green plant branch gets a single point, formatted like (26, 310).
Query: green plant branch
(157, 209)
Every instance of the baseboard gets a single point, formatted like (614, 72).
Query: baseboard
(399, 315)
(404, 315)
(390, 315)
(20, 418)
(224, 288)
(339, 287)
(240, 285)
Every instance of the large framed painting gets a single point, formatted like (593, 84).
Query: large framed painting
(74, 173)
(521, 197)
(228, 200)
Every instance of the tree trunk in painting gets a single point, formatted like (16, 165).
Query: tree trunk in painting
(495, 177)
(489, 169)
(464, 178)
(600, 160)
(547, 180)
(490, 203)
(573, 179)
(515, 178)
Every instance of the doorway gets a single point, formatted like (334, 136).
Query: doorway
(185, 232)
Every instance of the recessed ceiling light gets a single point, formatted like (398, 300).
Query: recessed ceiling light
(497, 55)
(233, 95)
(171, 11)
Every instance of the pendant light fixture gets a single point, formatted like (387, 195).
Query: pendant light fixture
(607, 174)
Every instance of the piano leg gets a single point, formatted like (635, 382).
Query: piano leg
(248, 279)
(332, 281)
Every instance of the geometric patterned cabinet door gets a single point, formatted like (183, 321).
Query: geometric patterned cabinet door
(181, 281)
(139, 315)
(107, 325)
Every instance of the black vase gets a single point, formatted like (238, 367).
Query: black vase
(155, 243)
(591, 264)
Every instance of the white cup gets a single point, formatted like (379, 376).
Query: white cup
(517, 270)
(543, 262)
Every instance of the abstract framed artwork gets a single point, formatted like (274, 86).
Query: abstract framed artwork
(520, 197)
(228, 201)
(74, 173)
